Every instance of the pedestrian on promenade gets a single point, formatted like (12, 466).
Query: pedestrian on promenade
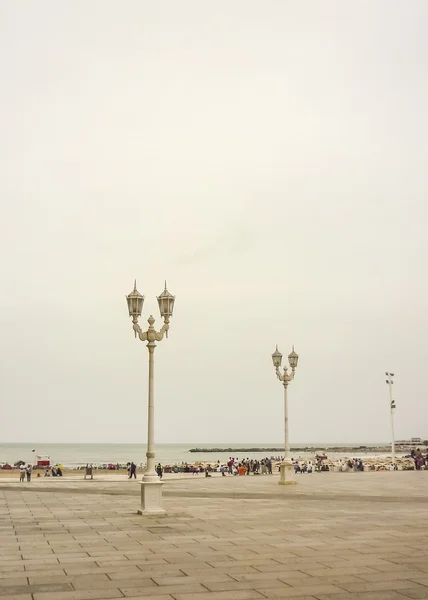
(133, 471)
(22, 472)
(29, 471)
(89, 471)
(159, 470)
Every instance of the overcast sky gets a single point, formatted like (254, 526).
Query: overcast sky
(269, 159)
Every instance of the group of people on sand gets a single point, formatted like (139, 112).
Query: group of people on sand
(355, 464)
(25, 472)
(319, 466)
(305, 467)
(55, 471)
(247, 466)
(419, 459)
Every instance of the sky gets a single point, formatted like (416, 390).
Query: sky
(268, 159)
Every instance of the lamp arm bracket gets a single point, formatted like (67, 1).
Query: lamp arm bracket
(162, 332)
(285, 377)
(138, 331)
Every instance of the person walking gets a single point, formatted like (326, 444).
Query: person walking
(22, 472)
(29, 471)
(133, 471)
(159, 470)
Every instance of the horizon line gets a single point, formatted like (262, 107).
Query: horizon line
(195, 444)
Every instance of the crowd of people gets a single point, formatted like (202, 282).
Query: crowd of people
(233, 466)
(247, 466)
(26, 471)
(419, 459)
(354, 464)
(310, 467)
(54, 471)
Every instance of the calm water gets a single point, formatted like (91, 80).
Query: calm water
(71, 455)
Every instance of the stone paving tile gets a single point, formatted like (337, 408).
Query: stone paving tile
(144, 596)
(82, 583)
(328, 572)
(191, 588)
(6, 592)
(80, 595)
(138, 574)
(374, 586)
(229, 595)
(338, 581)
(277, 570)
(13, 581)
(206, 579)
(362, 596)
(295, 592)
(415, 593)
(393, 575)
(244, 585)
(231, 570)
(19, 597)
(13, 575)
(251, 562)
(41, 578)
(260, 577)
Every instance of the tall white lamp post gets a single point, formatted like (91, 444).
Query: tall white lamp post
(390, 382)
(151, 485)
(286, 467)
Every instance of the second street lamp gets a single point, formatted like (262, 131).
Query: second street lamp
(151, 486)
(390, 382)
(286, 467)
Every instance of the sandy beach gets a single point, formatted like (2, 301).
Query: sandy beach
(369, 463)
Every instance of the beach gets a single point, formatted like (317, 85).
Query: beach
(75, 455)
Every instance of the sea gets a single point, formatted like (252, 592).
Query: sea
(76, 455)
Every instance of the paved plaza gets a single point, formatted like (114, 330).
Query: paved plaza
(334, 536)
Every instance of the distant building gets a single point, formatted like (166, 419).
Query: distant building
(415, 441)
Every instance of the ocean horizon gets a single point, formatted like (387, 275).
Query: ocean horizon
(78, 454)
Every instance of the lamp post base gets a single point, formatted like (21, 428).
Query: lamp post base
(151, 498)
(286, 473)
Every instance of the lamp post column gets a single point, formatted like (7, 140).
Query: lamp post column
(286, 474)
(286, 438)
(150, 473)
(390, 382)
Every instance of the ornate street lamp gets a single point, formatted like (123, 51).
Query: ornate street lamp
(286, 467)
(390, 382)
(151, 485)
